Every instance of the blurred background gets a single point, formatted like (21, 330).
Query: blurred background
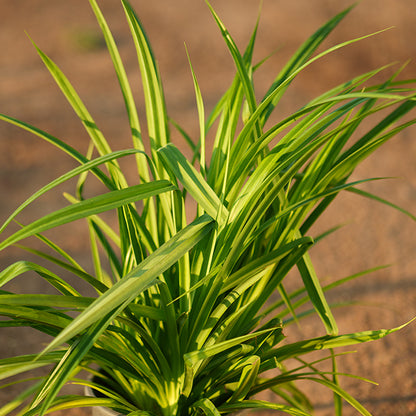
(373, 234)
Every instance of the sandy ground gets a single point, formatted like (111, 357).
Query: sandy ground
(373, 234)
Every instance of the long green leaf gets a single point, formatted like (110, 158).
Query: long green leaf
(73, 356)
(18, 400)
(47, 320)
(201, 117)
(247, 379)
(140, 278)
(327, 342)
(71, 174)
(340, 393)
(123, 82)
(153, 92)
(301, 56)
(261, 405)
(16, 365)
(242, 70)
(194, 357)
(76, 103)
(73, 401)
(193, 182)
(70, 266)
(65, 147)
(383, 201)
(20, 267)
(316, 294)
(207, 407)
(92, 206)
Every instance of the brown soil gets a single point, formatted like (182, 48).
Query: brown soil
(374, 234)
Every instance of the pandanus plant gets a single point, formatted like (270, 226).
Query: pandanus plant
(189, 310)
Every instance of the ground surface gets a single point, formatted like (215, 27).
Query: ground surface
(374, 234)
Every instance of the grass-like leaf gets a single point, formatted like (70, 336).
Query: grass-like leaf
(190, 309)
(92, 206)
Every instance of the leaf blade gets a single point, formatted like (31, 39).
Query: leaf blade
(94, 205)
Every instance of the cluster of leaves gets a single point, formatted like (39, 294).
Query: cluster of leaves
(182, 322)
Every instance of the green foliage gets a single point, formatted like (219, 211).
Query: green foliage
(189, 313)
